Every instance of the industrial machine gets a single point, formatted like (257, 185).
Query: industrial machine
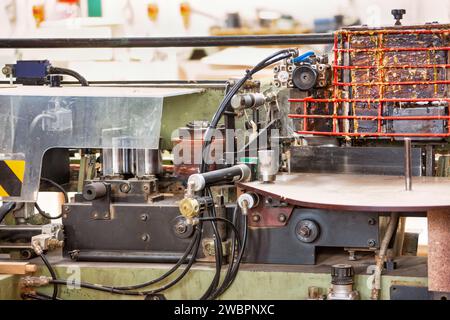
(325, 159)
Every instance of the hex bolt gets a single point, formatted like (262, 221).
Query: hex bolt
(180, 228)
(282, 217)
(125, 187)
(372, 221)
(371, 243)
(144, 217)
(304, 231)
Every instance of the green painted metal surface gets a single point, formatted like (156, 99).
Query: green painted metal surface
(9, 287)
(179, 110)
(264, 285)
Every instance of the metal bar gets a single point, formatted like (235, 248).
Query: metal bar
(407, 31)
(161, 42)
(373, 134)
(405, 66)
(151, 83)
(408, 165)
(395, 49)
(391, 83)
(309, 99)
(368, 118)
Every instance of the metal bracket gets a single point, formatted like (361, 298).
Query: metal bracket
(101, 207)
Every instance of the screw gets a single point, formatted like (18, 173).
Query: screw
(180, 228)
(66, 208)
(282, 217)
(144, 217)
(256, 218)
(125, 187)
(304, 231)
(371, 243)
(145, 237)
(146, 187)
(372, 221)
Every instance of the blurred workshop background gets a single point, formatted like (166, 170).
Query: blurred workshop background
(121, 18)
(146, 18)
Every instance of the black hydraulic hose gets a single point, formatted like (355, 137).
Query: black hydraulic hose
(231, 271)
(52, 274)
(6, 208)
(69, 72)
(38, 296)
(235, 230)
(44, 214)
(275, 57)
(240, 255)
(114, 290)
(172, 270)
(57, 186)
(218, 253)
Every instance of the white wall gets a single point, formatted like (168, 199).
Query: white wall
(372, 12)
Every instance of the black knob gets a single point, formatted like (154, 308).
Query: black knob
(304, 77)
(94, 191)
(398, 15)
(342, 274)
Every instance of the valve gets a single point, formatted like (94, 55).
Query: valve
(398, 15)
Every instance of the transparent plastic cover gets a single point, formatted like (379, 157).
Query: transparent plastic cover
(35, 119)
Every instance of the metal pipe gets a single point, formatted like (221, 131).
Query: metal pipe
(376, 284)
(199, 181)
(161, 42)
(408, 165)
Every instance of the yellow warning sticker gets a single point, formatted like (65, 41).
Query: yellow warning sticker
(11, 177)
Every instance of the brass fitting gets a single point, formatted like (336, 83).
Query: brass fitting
(189, 207)
(34, 281)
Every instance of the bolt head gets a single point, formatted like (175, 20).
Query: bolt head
(125, 187)
(145, 237)
(282, 217)
(304, 231)
(144, 217)
(180, 228)
(371, 243)
(256, 218)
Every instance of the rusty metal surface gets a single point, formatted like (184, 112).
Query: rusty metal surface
(263, 216)
(357, 192)
(439, 250)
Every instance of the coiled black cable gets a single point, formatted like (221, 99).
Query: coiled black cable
(57, 186)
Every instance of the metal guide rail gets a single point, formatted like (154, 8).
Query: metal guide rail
(375, 71)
